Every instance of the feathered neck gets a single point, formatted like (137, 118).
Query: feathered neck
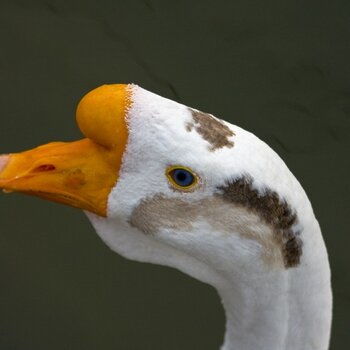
(282, 310)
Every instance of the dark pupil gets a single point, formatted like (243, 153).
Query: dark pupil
(183, 177)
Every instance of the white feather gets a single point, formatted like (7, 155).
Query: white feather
(266, 308)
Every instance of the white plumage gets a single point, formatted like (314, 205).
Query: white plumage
(273, 300)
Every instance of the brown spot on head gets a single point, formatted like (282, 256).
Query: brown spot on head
(272, 210)
(211, 129)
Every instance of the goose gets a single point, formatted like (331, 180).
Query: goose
(167, 184)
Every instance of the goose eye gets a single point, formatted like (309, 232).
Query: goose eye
(181, 178)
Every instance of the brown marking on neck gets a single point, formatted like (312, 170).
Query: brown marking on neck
(272, 210)
(212, 130)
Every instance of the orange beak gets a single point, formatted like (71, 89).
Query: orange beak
(80, 173)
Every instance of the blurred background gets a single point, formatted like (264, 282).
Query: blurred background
(277, 68)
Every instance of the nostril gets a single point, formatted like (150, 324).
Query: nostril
(45, 167)
(3, 161)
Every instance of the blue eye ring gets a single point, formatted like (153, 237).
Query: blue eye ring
(181, 178)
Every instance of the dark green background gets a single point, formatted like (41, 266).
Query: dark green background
(280, 69)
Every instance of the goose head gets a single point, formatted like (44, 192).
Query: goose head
(168, 184)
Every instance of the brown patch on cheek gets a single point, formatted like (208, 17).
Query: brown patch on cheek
(157, 213)
(237, 219)
(211, 129)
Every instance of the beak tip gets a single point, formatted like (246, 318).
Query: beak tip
(4, 159)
